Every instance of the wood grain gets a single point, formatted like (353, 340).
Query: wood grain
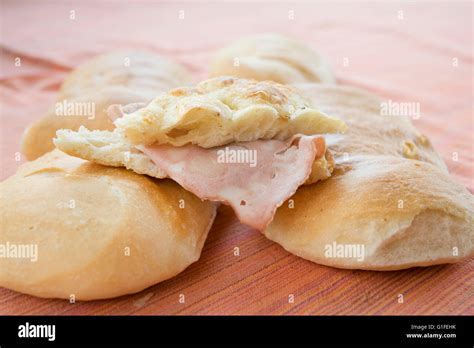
(262, 278)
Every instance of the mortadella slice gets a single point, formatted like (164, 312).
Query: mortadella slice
(254, 178)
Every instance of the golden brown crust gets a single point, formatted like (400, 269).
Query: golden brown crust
(406, 212)
(101, 231)
(224, 110)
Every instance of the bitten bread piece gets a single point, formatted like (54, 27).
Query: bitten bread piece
(100, 231)
(106, 148)
(390, 193)
(272, 57)
(224, 110)
(114, 78)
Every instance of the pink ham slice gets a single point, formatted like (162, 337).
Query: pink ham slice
(254, 192)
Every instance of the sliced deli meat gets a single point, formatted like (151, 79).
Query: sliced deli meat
(254, 178)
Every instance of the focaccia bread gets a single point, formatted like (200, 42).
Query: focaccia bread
(224, 110)
(247, 111)
(272, 57)
(112, 149)
(186, 133)
(390, 195)
(100, 232)
(114, 78)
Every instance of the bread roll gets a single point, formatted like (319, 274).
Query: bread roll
(114, 78)
(390, 195)
(100, 231)
(271, 57)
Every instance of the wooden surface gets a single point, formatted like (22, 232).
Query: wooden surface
(262, 279)
(368, 45)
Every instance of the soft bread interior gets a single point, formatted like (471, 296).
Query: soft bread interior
(112, 149)
(106, 148)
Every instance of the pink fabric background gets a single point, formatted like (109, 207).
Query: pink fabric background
(409, 59)
(403, 60)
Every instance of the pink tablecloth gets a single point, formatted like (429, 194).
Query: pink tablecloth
(417, 52)
(404, 56)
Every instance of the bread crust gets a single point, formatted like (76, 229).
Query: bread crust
(225, 110)
(101, 231)
(272, 57)
(405, 212)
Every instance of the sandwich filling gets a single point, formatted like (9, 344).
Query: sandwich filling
(254, 192)
(254, 168)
